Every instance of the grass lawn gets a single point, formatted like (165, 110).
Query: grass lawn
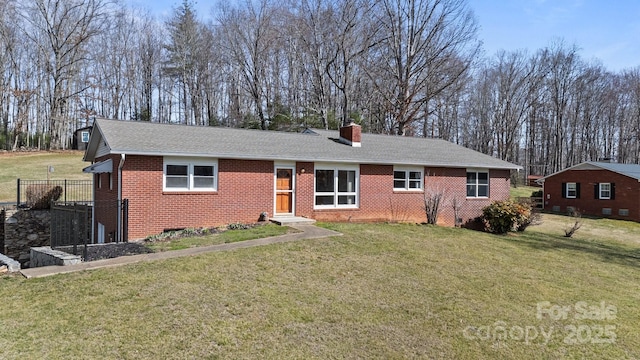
(523, 191)
(33, 166)
(379, 291)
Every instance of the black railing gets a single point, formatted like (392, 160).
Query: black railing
(72, 190)
(71, 224)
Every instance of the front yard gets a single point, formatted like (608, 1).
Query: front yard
(379, 291)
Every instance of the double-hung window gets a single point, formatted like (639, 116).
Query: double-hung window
(572, 190)
(477, 183)
(336, 186)
(190, 175)
(605, 191)
(407, 179)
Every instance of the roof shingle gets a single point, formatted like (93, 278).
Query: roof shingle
(144, 138)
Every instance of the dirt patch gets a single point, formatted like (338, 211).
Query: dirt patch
(110, 251)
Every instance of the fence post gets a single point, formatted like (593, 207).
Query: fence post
(65, 190)
(125, 221)
(85, 232)
(18, 197)
(74, 226)
(52, 240)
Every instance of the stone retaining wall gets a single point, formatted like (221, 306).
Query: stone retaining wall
(45, 256)
(12, 265)
(24, 229)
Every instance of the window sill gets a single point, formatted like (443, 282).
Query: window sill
(477, 198)
(189, 192)
(335, 208)
(408, 191)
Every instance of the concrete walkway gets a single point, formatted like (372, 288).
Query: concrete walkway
(306, 232)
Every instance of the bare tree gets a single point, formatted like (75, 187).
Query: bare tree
(9, 75)
(314, 19)
(61, 29)
(249, 35)
(185, 48)
(352, 38)
(428, 45)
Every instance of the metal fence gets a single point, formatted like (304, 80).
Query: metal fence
(72, 190)
(71, 223)
(71, 226)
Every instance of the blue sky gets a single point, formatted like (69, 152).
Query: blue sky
(605, 30)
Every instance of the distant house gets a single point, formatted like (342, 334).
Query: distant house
(81, 138)
(177, 176)
(596, 189)
(534, 180)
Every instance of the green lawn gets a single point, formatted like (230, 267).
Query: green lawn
(379, 291)
(33, 166)
(523, 191)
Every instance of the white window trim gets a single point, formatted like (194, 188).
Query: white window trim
(335, 193)
(600, 190)
(190, 162)
(488, 185)
(407, 171)
(575, 190)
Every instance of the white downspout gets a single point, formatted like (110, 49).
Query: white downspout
(119, 226)
(93, 211)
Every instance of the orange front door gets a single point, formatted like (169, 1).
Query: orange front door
(284, 191)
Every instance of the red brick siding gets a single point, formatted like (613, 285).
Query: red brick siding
(454, 184)
(627, 193)
(379, 202)
(246, 188)
(304, 189)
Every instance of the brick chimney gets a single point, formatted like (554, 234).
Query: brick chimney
(351, 135)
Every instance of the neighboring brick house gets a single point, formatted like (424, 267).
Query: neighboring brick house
(595, 189)
(177, 176)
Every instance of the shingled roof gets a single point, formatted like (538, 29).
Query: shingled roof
(630, 170)
(145, 138)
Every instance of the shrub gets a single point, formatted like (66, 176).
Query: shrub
(576, 219)
(177, 234)
(238, 226)
(537, 193)
(503, 216)
(39, 197)
(432, 201)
